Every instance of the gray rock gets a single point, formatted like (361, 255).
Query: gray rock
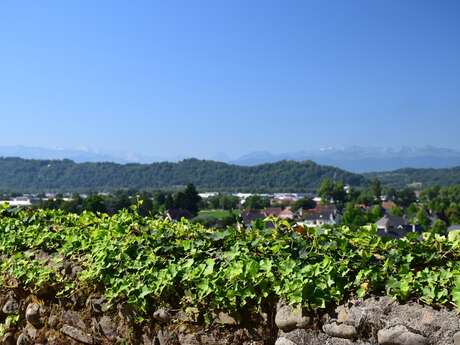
(53, 321)
(457, 338)
(108, 327)
(226, 319)
(146, 340)
(30, 331)
(23, 340)
(339, 341)
(188, 339)
(76, 334)
(166, 338)
(284, 341)
(340, 330)
(288, 317)
(400, 335)
(33, 315)
(162, 315)
(305, 337)
(98, 304)
(11, 306)
(73, 319)
(210, 339)
(342, 314)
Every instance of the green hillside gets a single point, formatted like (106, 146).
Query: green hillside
(427, 177)
(24, 175)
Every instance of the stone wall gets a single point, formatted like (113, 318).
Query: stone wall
(28, 319)
(373, 321)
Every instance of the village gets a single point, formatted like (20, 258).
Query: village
(394, 213)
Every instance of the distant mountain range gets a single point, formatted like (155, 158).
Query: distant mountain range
(356, 159)
(77, 155)
(360, 159)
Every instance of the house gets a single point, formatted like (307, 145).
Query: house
(251, 215)
(178, 214)
(453, 227)
(272, 211)
(388, 205)
(286, 214)
(318, 216)
(18, 202)
(395, 226)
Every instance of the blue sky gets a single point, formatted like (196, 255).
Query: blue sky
(194, 78)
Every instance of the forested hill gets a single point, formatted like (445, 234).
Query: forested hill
(427, 177)
(26, 175)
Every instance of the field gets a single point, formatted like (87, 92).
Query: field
(219, 214)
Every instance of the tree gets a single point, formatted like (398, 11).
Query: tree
(224, 201)
(169, 202)
(118, 201)
(256, 202)
(94, 203)
(422, 218)
(453, 214)
(229, 202)
(365, 198)
(439, 227)
(339, 194)
(326, 190)
(376, 188)
(329, 190)
(374, 213)
(188, 199)
(353, 216)
(396, 211)
(304, 203)
(405, 197)
(390, 193)
(146, 205)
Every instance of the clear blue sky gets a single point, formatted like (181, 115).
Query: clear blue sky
(199, 77)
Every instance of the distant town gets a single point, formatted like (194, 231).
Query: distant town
(394, 212)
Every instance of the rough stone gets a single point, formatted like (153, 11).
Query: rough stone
(76, 334)
(284, 341)
(108, 327)
(188, 339)
(23, 340)
(75, 271)
(457, 338)
(167, 338)
(305, 337)
(288, 317)
(340, 330)
(226, 319)
(342, 314)
(11, 306)
(53, 321)
(30, 331)
(33, 315)
(400, 335)
(162, 315)
(73, 319)
(437, 325)
(98, 304)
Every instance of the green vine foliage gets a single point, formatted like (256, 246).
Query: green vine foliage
(147, 262)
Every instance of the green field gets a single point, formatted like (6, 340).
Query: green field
(219, 214)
